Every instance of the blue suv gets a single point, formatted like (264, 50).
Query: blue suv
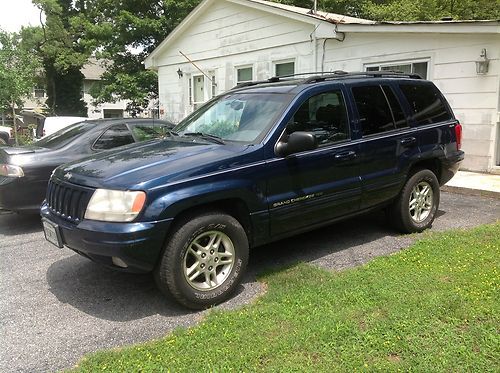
(258, 163)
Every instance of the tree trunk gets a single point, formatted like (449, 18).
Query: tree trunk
(15, 125)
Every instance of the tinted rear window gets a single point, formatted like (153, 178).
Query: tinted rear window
(65, 136)
(426, 103)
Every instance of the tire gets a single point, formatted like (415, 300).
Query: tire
(212, 244)
(415, 208)
(2, 141)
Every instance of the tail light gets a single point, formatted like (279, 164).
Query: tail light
(458, 135)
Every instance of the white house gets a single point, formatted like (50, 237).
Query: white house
(232, 41)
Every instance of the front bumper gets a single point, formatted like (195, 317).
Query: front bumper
(138, 245)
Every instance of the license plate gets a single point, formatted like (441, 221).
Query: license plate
(52, 233)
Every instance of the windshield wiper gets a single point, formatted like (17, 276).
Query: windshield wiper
(206, 136)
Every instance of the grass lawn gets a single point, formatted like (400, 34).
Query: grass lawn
(432, 307)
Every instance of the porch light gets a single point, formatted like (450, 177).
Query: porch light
(482, 63)
(180, 73)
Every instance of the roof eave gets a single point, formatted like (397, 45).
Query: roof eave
(451, 27)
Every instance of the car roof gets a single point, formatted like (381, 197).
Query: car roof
(294, 84)
(111, 121)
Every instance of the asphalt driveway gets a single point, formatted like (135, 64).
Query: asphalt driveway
(56, 306)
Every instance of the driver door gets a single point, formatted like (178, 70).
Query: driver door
(312, 187)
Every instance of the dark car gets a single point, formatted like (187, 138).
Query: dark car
(25, 171)
(254, 165)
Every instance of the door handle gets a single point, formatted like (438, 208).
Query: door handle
(345, 156)
(408, 141)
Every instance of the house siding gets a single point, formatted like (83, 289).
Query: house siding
(474, 98)
(227, 35)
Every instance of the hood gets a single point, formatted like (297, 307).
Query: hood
(138, 166)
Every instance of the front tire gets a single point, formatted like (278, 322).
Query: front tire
(204, 260)
(415, 208)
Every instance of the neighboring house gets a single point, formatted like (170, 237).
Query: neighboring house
(234, 41)
(92, 71)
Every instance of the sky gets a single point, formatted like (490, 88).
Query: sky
(17, 13)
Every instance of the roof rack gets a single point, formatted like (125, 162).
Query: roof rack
(339, 74)
(330, 75)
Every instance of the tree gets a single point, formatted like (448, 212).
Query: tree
(430, 10)
(18, 69)
(126, 31)
(62, 47)
(407, 10)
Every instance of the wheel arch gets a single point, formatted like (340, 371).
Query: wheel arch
(235, 207)
(431, 164)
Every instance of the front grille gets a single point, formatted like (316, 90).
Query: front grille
(68, 201)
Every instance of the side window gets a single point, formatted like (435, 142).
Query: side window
(324, 115)
(374, 112)
(143, 132)
(426, 103)
(114, 136)
(397, 112)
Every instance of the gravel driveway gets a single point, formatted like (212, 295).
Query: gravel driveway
(56, 306)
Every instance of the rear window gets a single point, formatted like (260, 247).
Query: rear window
(65, 136)
(426, 103)
(143, 132)
(117, 135)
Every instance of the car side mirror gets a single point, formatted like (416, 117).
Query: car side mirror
(296, 142)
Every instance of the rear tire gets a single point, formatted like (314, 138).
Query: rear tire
(415, 208)
(204, 260)
(3, 141)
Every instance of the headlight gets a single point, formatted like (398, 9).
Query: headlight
(115, 205)
(10, 170)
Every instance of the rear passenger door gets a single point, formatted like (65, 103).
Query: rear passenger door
(386, 142)
(313, 187)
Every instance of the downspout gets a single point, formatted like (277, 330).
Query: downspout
(315, 50)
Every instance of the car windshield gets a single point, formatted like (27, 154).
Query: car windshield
(64, 136)
(245, 117)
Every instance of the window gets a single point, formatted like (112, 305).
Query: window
(64, 136)
(324, 115)
(114, 136)
(213, 83)
(244, 74)
(375, 114)
(420, 68)
(287, 68)
(426, 103)
(197, 90)
(39, 92)
(112, 113)
(397, 111)
(243, 117)
(143, 132)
